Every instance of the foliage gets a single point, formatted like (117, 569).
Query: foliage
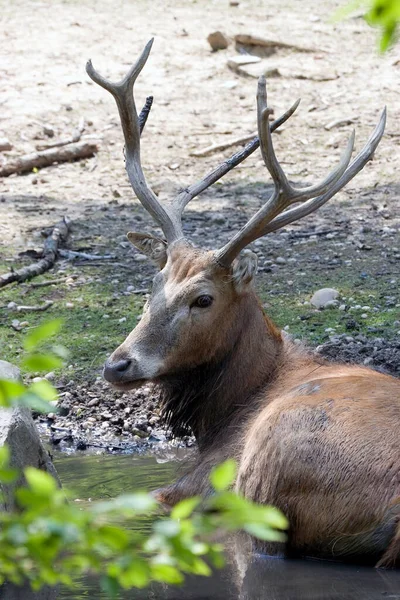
(48, 540)
(384, 14)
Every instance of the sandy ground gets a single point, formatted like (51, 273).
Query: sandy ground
(198, 100)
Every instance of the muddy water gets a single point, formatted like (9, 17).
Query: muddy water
(245, 578)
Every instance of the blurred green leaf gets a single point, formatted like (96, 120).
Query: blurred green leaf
(8, 475)
(4, 456)
(44, 389)
(223, 476)
(41, 362)
(167, 574)
(41, 334)
(40, 483)
(167, 528)
(184, 508)
(10, 391)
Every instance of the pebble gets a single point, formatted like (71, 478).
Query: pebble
(5, 145)
(218, 41)
(321, 297)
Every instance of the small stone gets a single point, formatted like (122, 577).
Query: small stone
(321, 297)
(218, 41)
(48, 130)
(122, 320)
(12, 305)
(280, 260)
(93, 402)
(364, 316)
(69, 305)
(105, 316)
(50, 376)
(5, 145)
(342, 307)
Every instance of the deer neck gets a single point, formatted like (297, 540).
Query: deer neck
(215, 398)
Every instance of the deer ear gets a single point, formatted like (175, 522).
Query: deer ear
(153, 247)
(244, 267)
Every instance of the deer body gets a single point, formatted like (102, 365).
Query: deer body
(320, 441)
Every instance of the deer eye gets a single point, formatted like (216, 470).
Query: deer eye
(203, 301)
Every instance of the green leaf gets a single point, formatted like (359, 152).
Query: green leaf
(44, 390)
(273, 517)
(36, 403)
(4, 456)
(40, 483)
(263, 532)
(223, 476)
(41, 362)
(166, 574)
(115, 537)
(184, 508)
(10, 391)
(8, 475)
(42, 333)
(167, 528)
(136, 575)
(139, 502)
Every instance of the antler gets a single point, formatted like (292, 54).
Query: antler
(168, 215)
(284, 194)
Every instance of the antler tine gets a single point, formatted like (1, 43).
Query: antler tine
(230, 163)
(122, 92)
(267, 219)
(358, 163)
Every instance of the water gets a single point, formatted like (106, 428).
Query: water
(246, 577)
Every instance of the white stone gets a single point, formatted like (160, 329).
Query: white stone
(321, 297)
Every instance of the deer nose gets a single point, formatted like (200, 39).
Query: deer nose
(115, 371)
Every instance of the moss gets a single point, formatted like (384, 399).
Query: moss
(87, 333)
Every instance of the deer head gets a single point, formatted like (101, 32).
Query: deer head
(197, 308)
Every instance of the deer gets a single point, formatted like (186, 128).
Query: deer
(316, 439)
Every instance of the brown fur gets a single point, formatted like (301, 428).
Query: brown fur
(318, 440)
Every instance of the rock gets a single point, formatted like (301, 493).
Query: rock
(5, 145)
(18, 431)
(321, 297)
(256, 69)
(218, 41)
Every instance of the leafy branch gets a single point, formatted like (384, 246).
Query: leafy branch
(47, 540)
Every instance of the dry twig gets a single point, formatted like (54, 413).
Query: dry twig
(58, 235)
(224, 145)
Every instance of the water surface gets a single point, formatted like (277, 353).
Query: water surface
(245, 577)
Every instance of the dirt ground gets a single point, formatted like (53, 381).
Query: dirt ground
(352, 244)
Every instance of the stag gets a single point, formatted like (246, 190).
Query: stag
(318, 440)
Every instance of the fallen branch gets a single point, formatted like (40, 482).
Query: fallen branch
(40, 284)
(75, 137)
(72, 254)
(58, 235)
(224, 145)
(47, 157)
(39, 308)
